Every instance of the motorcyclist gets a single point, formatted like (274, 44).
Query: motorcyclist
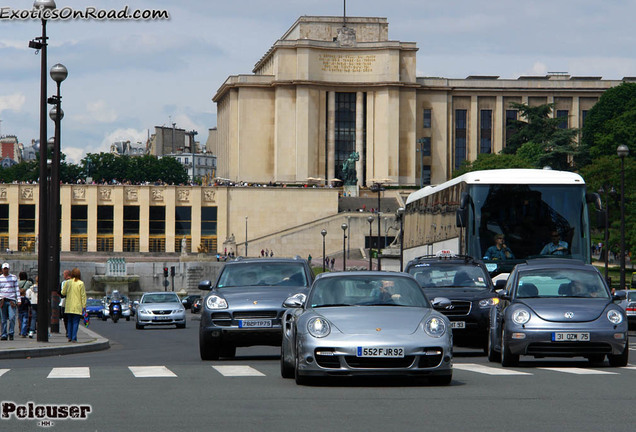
(115, 298)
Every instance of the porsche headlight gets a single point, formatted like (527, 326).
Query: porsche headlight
(215, 302)
(318, 327)
(489, 302)
(614, 316)
(435, 327)
(521, 316)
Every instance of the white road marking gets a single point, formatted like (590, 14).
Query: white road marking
(237, 371)
(70, 372)
(4, 371)
(472, 367)
(579, 371)
(151, 371)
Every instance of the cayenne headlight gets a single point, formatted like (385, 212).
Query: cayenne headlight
(215, 302)
(614, 316)
(435, 327)
(489, 302)
(521, 316)
(318, 327)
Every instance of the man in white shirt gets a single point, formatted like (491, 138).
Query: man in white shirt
(9, 299)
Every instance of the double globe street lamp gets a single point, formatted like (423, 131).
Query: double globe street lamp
(344, 227)
(622, 152)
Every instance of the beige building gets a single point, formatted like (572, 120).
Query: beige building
(325, 90)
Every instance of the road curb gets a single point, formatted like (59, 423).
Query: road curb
(95, 342)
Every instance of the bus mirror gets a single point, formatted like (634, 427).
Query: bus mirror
(464, 201)
(461, 215)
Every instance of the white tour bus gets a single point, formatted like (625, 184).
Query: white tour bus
(524, 205)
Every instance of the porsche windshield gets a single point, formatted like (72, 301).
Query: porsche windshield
(366, 291)
(263, 274)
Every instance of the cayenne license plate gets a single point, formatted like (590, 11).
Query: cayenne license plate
(458, 324)
(395, 352)
(570, 337)
(254, 323)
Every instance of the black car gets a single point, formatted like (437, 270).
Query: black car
(196, 305)
(189, 299)
(466, 282)
(558, 308)
(244, 306)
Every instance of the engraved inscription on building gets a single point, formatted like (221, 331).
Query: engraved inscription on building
(27, 193)
(347, 63)
(157, 194)
(131, 194)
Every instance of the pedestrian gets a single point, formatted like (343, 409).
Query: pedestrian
(66, 275)
(9, 297)
(23, 314)
(32, 295)
(309, 259)
(75, 295)
(333, 263)
(262, 253)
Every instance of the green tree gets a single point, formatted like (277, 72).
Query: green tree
(539, 139)
(108, 167)
(611, 122)
(487, 161)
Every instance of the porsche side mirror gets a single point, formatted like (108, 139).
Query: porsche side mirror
(441, 302)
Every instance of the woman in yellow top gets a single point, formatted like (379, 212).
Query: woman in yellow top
(75, 304)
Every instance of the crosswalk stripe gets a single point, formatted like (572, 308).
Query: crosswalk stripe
(151, 371)
(579, 371)
(472, 367)
(237, 371)
(70, 372)
(4, 371)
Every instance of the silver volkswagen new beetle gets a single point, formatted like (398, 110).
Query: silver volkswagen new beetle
(558, 308)
(365, 323)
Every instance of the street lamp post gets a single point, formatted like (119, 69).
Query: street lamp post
(370, 220)
(43, 244)
(246, 236)
(605, 250)
(323, 233)
(622, 152)
(377, 187)
(344, 227)
(58, 74)
(400, 213)
(349, 237)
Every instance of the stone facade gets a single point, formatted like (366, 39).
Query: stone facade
(327, 88)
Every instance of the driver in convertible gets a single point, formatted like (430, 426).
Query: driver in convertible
(556, 246)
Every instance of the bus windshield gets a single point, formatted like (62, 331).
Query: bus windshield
(530, 218)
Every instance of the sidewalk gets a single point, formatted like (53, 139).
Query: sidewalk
(58, 344)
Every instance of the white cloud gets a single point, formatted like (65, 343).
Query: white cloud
(539, 69)
(12, 102)
(96, 112)
(129, 134)
(73, 154)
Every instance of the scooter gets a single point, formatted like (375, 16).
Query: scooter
(115, 310)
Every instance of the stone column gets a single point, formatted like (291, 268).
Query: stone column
(331, 135)
(359, 134)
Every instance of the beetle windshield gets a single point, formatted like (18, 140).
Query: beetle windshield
(567, 283)
(352, 290)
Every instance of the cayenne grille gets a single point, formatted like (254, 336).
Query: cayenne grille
(256, 315)
(379, 363)
(569, 348)
(457, 307)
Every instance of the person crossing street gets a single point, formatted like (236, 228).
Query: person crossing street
(9, 300)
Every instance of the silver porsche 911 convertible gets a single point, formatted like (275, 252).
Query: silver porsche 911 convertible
(365, 323)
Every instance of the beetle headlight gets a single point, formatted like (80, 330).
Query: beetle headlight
(521, 316)
(318, 327)
(489, 302)
(216, 302)
(435, 327)
(614, 316)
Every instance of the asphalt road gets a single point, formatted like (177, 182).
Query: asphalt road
(154, 380)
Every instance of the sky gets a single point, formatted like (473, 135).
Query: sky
(126, 77)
